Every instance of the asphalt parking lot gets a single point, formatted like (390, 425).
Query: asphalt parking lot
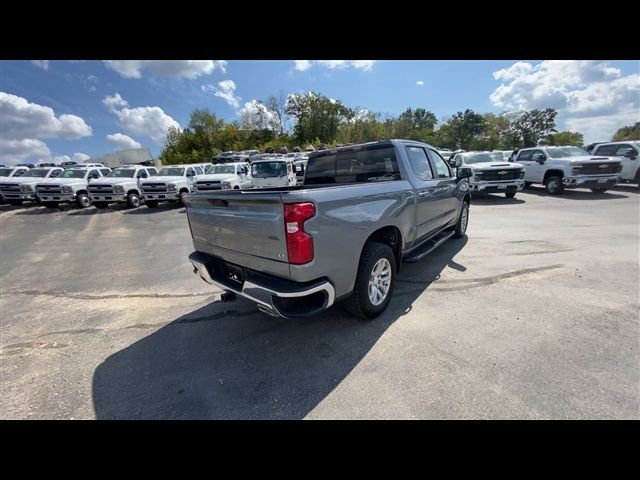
(534, 315)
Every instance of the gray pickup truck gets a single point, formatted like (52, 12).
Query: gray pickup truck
(362, 210)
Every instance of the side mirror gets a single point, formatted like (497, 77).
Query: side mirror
(631, 154)
(464, 172)
(541, 159)
(455, 163)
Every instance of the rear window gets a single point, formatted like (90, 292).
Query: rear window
(377, 163)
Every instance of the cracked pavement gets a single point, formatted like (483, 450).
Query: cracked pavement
(535, 315)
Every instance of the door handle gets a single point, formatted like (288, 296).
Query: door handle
(423, 194)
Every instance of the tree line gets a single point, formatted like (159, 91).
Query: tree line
(319, 120)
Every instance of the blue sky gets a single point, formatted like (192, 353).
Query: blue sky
(52, 109)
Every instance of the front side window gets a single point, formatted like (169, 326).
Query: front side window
(524, 156)
(442, 169)
(419, 163)
(623, 149)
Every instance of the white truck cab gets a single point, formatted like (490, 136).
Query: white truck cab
(170, 184)
(273, 172)
(9, 172)
(16, 190)
(491, 173)
(121, 185)
(225, 176)
(627, 154)
(69, 186)
(558, 168)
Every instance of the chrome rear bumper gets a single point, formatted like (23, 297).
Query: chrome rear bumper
(273, 295)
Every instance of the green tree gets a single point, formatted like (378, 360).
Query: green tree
(534, 125)
(463, 128)
(317, 116)
(566, 138)
(630, 132)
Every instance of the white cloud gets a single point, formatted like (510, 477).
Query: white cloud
(226, 90)
(148, 121)
(123, 141)
(302, 65)
(22, 119)
(420, 83)
(257, 115)
(80, 157)
(16, 151)
(189, 69)
(43, 64)
(590, 96)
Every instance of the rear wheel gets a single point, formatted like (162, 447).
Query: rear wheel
(151, 203)
(51, 204)
(15, 203)
(133, 200)
(83, 200)
(510, 194)
(599, 189)
(554, 186)
(100, 205)
(374, 281)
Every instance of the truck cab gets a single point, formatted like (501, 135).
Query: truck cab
(274, 172)
(10, 172)
(627, 154)
(121, 185)
(228, 176)
(69, 186)
(491, 173)
(170, 184)
(23, 188)
(559, 167)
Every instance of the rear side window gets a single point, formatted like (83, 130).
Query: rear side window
(605, 149)
(374, 164)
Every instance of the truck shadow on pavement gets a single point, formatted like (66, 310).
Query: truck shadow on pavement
(163, 207)
(229, 361)
(495, 200)
(571, 194)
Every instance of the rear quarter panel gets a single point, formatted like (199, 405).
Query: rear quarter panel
(345, 217)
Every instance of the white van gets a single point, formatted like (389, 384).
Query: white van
(273, 172)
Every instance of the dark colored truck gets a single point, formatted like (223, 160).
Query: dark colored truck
(363, 209)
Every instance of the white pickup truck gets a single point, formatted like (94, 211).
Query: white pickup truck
(70, 186)
(16, 190)
(627, 154)
(558, 168)
(227, 176)
(170, 184)
(120, 186)
(491, 173)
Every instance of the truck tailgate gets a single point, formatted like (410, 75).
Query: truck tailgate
(244, 222)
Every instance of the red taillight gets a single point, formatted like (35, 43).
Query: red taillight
(299, 242)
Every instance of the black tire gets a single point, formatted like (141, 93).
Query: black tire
(510, 194)
(553, 184)
(83, 200)
(101, 205)
(51, 204)
(133, 200)
(599, 189)
(181, 198)
(15, 203)
(151, 203)
(359, 303)
(461, 225)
